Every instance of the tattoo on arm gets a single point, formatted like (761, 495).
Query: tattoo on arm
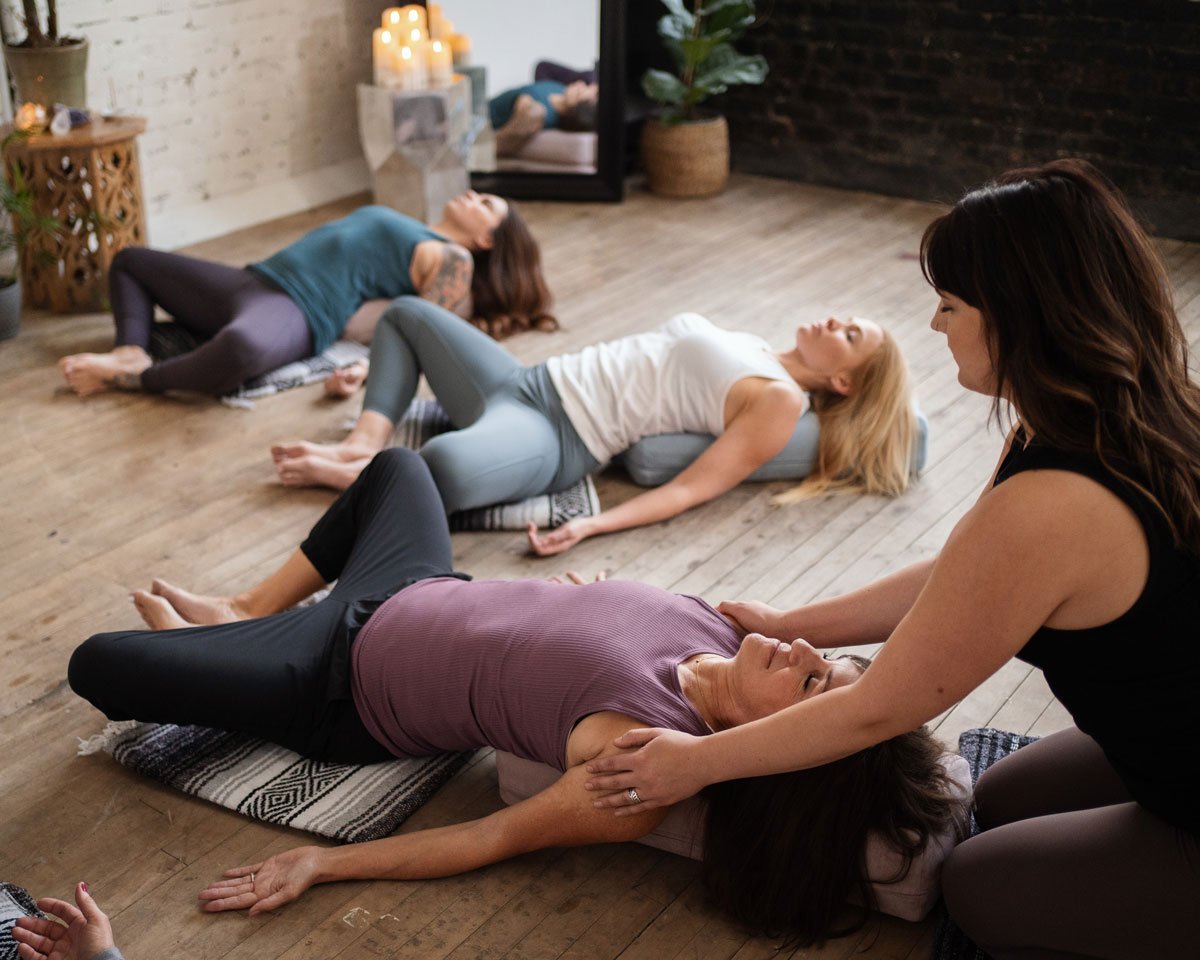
(450, 287)
(124, 381)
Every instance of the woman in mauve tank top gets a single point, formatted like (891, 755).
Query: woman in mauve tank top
(523, 431)
(406, 658)
(1081, 557)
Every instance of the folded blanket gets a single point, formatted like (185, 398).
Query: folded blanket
(15, 902)
(267, 782)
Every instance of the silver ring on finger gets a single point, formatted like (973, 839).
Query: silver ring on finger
(631, 793)
(252, 879)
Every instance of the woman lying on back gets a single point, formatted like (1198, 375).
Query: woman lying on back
(406, 658)
(522, 431)
(479, 261)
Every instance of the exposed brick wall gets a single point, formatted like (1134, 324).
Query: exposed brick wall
(251, 103)
(925, 99)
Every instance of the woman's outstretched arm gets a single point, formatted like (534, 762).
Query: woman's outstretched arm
(867, 615)
(560, 816)
(758, 432)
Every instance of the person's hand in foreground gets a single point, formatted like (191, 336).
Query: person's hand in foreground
(559, 539)
(83, 933)
(663, 771)
(750, 616)
(264, 886)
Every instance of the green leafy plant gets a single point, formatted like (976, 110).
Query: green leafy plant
(20, 222)
(700, 40)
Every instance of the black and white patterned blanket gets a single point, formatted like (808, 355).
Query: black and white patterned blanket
(15, 902)
(267, 782)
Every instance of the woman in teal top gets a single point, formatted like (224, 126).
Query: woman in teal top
(520, 113)
(479, 260)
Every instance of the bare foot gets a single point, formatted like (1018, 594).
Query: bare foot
(347, 451)
(313, 470)
(157, 612)
(345, 382)
(198, 608)
(119, 369)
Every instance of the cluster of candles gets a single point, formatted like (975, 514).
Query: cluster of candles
(417, 48)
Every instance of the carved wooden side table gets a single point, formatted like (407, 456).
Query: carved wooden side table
(90, 181)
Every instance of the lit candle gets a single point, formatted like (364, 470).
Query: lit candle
(420, 54)
(409, 75)
(382, 56)
(391, 19)
(460, 45)
(441, 64)
(413, 15)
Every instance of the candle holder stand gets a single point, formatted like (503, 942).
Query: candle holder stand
(416, 143)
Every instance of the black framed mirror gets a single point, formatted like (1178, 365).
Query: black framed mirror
(555, 163)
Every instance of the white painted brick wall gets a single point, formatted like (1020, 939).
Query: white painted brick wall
(250, 103)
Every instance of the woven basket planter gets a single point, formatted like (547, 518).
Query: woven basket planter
(689, 159)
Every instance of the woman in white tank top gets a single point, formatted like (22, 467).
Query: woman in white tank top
(523, 431)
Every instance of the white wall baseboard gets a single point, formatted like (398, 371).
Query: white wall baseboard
(179, 226)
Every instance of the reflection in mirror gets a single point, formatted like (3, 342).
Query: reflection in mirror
(534, 89)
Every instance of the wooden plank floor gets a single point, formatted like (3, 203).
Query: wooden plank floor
(98, 496)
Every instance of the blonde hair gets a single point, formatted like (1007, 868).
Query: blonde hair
(867, 435)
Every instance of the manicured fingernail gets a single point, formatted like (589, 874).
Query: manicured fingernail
(84, 885)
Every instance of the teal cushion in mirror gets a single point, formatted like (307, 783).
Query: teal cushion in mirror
(655, 460)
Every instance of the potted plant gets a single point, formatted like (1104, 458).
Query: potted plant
(45, 68)
(19, 223)
(684, 152)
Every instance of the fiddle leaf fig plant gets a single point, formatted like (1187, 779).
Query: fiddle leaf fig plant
(700, 40)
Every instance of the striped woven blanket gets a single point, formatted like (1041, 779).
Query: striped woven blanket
(270, 783)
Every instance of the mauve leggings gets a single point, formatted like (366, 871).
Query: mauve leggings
(1069, 867)
(248, 326)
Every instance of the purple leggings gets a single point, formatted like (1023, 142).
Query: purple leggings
(1068, 866)
(248, 326)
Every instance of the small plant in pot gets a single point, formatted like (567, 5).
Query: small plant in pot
(45, 68)
(19, 223)
(684, 152)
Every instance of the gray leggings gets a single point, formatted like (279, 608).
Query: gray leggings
(511, 440)
(1068, 866)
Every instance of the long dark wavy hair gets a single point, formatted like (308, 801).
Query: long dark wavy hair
(784, 854)
(508, 291)
(1080, 326)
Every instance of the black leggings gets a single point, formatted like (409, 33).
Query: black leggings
(1069, 867)
(285, 677)
(247, 325)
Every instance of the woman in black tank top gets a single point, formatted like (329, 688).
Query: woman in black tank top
(1082, 557)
